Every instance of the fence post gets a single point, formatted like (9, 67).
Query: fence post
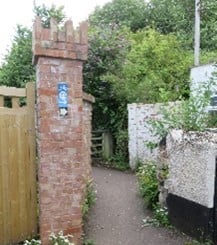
(107, 145)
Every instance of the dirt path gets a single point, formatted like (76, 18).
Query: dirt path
(117, 216)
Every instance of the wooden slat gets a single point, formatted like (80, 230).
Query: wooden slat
(18, 200)
(4, 196)
(12, 111)
(15, 102)
(1, 101)
(30, 89)
(13, 180)
(12, 92)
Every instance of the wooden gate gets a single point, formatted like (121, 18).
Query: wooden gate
(18, 202)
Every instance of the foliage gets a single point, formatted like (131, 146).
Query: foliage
(208, 57)
(107, 48)
(208, 25)
(128, 13)
(188, 115)
(32, 242)
(172, 16)
(160, 217)
(120, 159)
(88, 242)
(47, 13)
(117, 162)
(90, 198)
(156, 64)
(17, 68)
(194, 242)
(175, 16)
(166, 16)
(60, 239)
(148, 183)
(149, 178)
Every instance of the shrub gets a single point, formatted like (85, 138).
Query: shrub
(32, 242)
(148, 183)
(188, 115)
(89, 199)
(60, 239)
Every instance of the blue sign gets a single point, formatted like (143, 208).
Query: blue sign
(62, 95)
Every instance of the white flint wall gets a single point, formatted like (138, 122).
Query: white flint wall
(139, 132)
(192, 162)
(200, 75)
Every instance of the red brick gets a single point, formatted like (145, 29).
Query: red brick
(63, 143)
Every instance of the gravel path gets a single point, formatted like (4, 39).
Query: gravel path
(117, 216)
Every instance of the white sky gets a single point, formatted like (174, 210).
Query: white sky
(13, 12)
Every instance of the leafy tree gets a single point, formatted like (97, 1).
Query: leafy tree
(175, 16)
(155, 69)
(208, 25)
(47, 13)
(107, 50)
(17, 68)
(128, 13)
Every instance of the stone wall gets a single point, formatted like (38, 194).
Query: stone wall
(200, 75)
(139, 132)
(63, 141)
(191, 182)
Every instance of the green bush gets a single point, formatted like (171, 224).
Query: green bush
(90, 198)
(188, 115)
(149, 179)
(193, 242)
(88, 242)
(148, 183)
(60, 239)
(161, 216)
(32, 242)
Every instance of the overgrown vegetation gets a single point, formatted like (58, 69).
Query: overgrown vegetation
(193, 242)
(88, 242)
(55, 239)
(90, 198)
(148, 183)
(149, 178)
(32, 242)
(60, 239)
(139, 51)
(188, 115)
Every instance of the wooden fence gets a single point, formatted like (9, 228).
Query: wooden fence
(18, 202)
(102, 144)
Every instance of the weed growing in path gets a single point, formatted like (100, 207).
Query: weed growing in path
(90, 198)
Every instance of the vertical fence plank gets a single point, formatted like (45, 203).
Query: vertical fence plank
(23, 220)
(15, 102)
(1, 188)
(1, 101)
(13, 176)
(5, 180)
(30, 93)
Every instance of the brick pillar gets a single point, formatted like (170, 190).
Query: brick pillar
(59, 56)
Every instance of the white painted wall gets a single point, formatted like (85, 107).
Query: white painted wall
(200, 75)
(192, 161)
(139, 132)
